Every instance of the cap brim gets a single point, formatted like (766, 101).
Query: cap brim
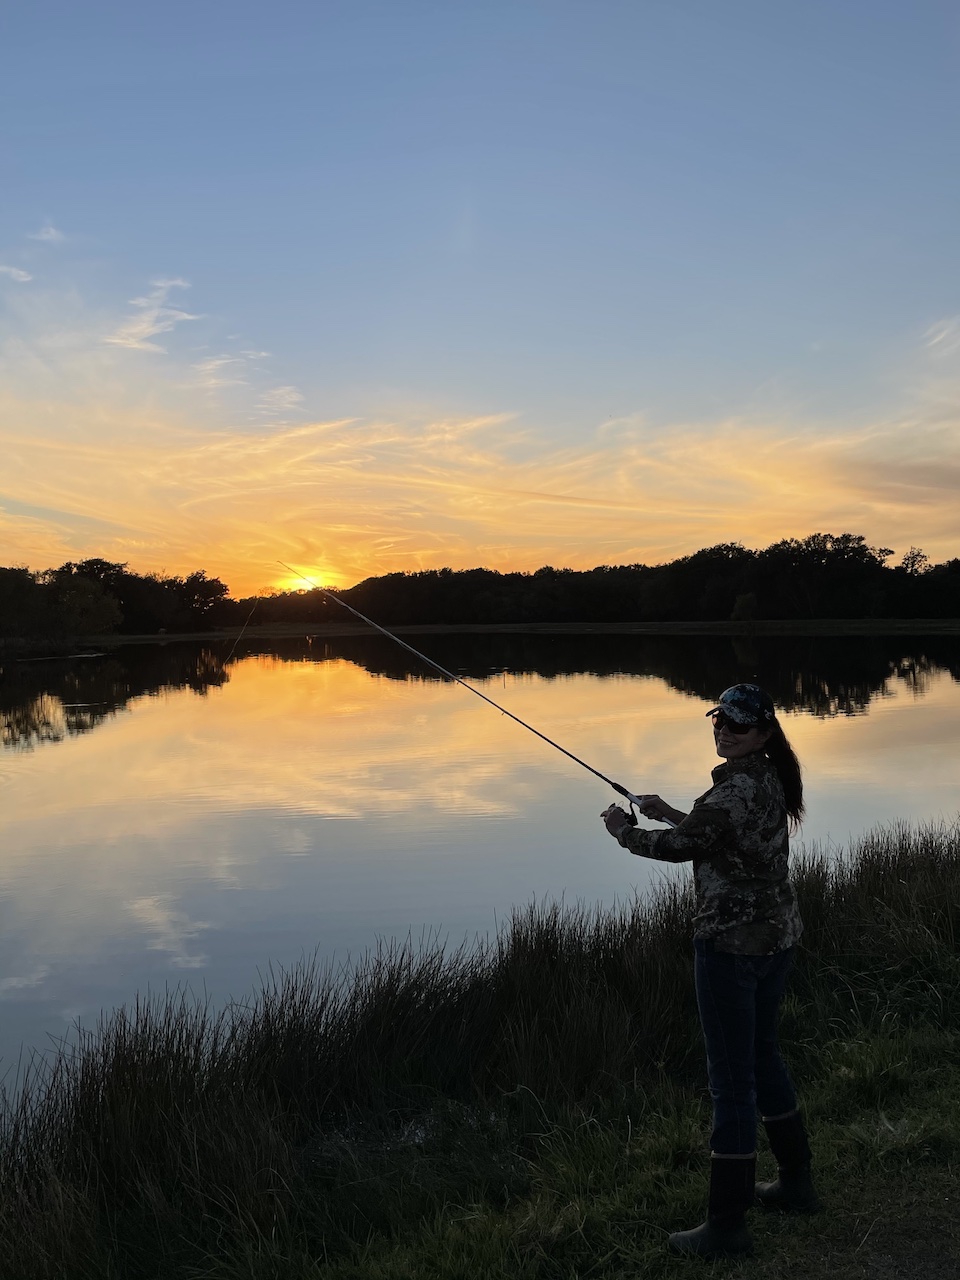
(734, 716)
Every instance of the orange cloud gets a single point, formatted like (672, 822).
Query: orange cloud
(108, 449)
(349, 499)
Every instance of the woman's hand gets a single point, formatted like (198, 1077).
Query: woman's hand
(615, 820)
(657, 810)
(654, 807)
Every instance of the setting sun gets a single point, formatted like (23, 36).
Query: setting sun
(309, 577)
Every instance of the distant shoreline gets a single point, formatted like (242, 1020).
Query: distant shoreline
(779, 627)
(813, 626)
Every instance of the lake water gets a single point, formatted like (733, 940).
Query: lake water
(176, 814)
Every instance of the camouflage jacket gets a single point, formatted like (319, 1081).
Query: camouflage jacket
(736, 837)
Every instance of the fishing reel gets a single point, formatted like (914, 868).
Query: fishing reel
(631, 816)
(632, 801)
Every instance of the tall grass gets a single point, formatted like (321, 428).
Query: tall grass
(338, 1106)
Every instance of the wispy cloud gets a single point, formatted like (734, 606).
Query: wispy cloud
(279, 400)
(220, 371)
(944, 336)
(135, 466)
(154, 317)
(47, 232)
(353, 498)
(238, 369)
(15, 273)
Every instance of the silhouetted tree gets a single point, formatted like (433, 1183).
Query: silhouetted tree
(21, 604)
(915, 562)
(79, 606)
(824, 575)
(149, 603)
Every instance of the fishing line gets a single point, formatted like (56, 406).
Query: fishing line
(634, 800)
(256, 601)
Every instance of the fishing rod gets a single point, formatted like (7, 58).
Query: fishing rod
(628, 795)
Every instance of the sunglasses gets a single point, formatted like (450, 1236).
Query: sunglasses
(722, 721)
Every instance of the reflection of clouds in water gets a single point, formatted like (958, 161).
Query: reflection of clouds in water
(309, 741)
(382, 803)
(13, 985)
(327, 740)
(296, 840)
(173, 930)
(106, 836)
(321, 740)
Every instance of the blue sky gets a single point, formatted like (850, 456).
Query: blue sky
(602, 251)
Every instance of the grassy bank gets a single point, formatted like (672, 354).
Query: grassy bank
(533, 1107)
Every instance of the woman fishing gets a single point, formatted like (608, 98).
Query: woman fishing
(746, 929)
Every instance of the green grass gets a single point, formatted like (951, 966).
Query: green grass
(532, 1107)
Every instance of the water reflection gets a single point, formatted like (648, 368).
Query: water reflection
(170, 815)
(43, 703)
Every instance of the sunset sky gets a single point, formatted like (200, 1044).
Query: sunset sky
(390, 285)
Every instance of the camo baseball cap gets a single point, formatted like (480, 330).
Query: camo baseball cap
(745, 704)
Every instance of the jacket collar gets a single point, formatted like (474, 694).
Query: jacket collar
(755, 762)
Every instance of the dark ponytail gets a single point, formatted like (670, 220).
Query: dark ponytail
(783, 758)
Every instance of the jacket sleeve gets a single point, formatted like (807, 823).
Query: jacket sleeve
(709, 829)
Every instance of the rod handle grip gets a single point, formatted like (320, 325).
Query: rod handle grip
(639, 801)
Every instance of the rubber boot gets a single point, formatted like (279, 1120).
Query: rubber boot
(724, 1234)
(793, 1191)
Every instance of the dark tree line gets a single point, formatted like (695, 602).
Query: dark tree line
(98, 597)
(824, 575)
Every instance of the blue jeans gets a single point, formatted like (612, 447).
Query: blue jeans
(739, 1001)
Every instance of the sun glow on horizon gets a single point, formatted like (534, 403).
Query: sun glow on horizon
(155, 480)
(307, 578)
(382, 497)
